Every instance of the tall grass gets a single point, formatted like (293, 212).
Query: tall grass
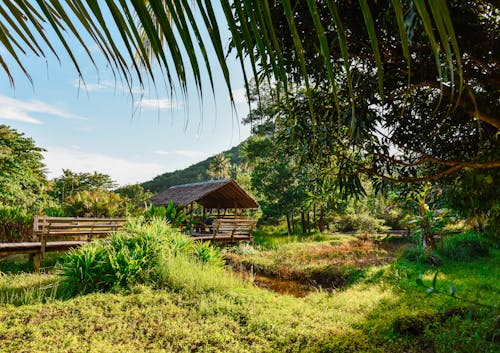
(138, 254)
(465, 246)
(21, 289)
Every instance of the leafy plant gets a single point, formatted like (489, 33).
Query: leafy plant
(16, 224)
(465, 246)
(97, 203)
(428, 221)
(133, 256)
(174, 215)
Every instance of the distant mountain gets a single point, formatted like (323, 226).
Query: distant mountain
(192, 174)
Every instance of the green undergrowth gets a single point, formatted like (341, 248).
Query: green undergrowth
(273, 237)
(16, 264)
(195, 305)
(342, 260)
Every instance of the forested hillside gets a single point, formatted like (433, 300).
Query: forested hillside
(191, 174)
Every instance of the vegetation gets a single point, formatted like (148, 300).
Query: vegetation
(188, 304)
(365, 116)
(22, 182)
(195, 173)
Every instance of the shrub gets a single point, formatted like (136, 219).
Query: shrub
(421, 256)
(362, 222)
(16, 224)
(135, 255)
(465, 246)
(172, 214)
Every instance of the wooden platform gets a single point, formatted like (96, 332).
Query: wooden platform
(36, 247)
(228, 231)
(61, 234)
(221, 238)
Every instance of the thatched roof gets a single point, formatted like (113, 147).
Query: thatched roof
(210, 194)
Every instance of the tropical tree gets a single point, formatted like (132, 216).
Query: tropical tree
(220, 167)
(442, 54)
(22, 180)
(136, 195)
(70, 183)
(96, 203)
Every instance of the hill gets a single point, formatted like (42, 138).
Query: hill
(191, 174)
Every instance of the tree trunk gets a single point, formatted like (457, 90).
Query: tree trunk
(321, 223)
(314, 218)
(293, 223)
(288, 226)
(303, 222)
(308, 222)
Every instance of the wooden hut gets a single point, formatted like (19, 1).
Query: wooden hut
(222, 203)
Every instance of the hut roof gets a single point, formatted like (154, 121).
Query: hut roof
(210, 194)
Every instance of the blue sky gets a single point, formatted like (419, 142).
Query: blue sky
(106, 129)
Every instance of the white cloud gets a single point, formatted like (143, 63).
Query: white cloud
(161, 103)
(18, 110)
(107, 85)
(239, 95)
(122, 170)
(184, 153)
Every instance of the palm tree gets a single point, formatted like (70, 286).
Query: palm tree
(220, 168)
(134, 37)
(131, 35)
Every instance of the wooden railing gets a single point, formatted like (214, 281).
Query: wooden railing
(61, 233)
(230, 230)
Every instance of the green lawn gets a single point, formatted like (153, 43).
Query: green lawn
(207, 309)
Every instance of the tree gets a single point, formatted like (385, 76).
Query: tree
(220, 168)
(70, 183)
(22, 180)
(137, 198)
(442, 55)
(96, 203)
(156, 31)
(423, 127)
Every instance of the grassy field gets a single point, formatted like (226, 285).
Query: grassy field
(195, 306)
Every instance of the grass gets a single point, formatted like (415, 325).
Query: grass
(198, 307)
(328, 264)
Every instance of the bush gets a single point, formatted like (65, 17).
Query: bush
(421, 256)
(16, 224)
(465, 246)
(133, 256)
(362, 222)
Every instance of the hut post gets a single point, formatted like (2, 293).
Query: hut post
(203, 214)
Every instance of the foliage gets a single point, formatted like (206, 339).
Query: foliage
(220, 167)
(361, 222)
(133, 256)
(283, 49)
(421, 256)
(16, 224)
(71, 183)
(476, 195)
(137, 197)
(22, 180)
(391, 136)
(210, 309)
(429, 220)
(98, 203)
(324, 262)
(195, 173)
(464, 247)
(172, 214)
